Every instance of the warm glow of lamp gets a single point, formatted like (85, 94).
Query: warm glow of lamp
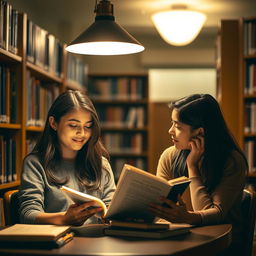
(179, 26)
(105, 36)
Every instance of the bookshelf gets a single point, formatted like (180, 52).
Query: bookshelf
(236, 83)
(121, 101)
(34, 69)
(228, 75)
(248, 90)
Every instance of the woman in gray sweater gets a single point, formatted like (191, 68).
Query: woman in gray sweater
(69, 153)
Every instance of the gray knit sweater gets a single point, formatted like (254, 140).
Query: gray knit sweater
(37, 195)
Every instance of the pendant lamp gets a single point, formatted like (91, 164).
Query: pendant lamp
(179, 26)
(105, 36)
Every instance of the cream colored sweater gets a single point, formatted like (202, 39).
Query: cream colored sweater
(223, 204)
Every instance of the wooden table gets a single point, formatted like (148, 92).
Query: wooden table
(207, 240)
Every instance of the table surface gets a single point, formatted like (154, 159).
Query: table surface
(207, 240)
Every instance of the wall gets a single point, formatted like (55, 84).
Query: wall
(170, 84)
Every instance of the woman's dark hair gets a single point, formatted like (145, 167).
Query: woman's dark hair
(88, 162)
(202, 110)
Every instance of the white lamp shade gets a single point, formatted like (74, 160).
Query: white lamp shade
(105, 36)
(179, 27)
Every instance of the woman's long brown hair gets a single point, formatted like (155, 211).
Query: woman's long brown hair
(202, 110)
(88, 162)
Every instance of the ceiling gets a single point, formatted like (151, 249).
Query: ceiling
(66, 18)
(136, 13)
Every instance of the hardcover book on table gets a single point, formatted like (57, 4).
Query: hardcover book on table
(35, 235)
(173, 230)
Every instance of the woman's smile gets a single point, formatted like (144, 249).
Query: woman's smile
(79, 140)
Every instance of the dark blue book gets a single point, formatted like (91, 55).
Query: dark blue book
(140, 88)
(13, 156)
(113, 88)
(13, 105)
(9, 159)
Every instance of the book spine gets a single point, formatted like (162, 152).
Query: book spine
(77, 70)
(4, 96)
(13, 156)
(249, 37)
(2, 152)
(2, 45)
(13, 97)
(9, 159)
(250, 152)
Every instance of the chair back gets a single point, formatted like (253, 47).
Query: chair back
(11, 207)
(249, 216)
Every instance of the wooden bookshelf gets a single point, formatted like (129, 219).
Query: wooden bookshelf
(236, 83)
(121, 101)
(248, 91)
(28, 91)
(228, 76)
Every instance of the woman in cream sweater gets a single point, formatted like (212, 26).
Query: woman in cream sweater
(205, 151)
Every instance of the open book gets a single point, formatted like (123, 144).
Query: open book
(80, 198)
(136, 189)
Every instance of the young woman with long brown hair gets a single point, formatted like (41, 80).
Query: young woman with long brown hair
(69, 153)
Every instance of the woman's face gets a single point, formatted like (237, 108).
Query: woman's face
(73, 130)
(181, 133)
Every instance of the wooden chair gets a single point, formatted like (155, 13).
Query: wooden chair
(11, 207)
(249, 215)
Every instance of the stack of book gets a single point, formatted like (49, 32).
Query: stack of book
(146, 230)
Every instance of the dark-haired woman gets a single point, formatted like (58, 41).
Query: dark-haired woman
(69, 153)
(205, 151)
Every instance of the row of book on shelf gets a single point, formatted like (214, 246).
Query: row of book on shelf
(120, 88)
(44, 49)
(7, 159)
(250, 152)
(8, 27)
(250, 83)
(250, 37)
(250, 118)
(121, 117)
(125, 143)
(40, 97)
(8, 95)
(77, 70)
